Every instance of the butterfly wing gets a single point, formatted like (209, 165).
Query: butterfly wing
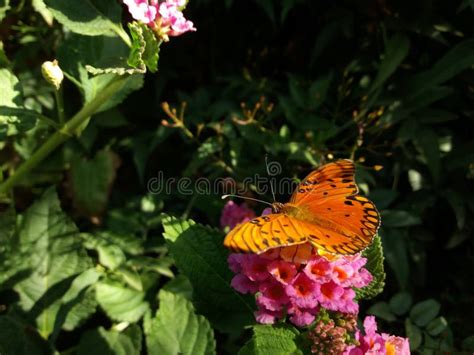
(344, 222)
(267, 232)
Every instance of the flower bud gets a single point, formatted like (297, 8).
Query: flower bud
(52, 73)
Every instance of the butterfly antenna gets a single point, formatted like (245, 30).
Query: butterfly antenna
(246, 198)
(272, 188)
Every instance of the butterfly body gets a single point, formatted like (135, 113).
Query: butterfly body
(325, 211)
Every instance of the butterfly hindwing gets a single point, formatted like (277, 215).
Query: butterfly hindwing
(346, 222)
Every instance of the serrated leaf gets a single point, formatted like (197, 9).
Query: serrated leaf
(199, 254)
(120, 302)
(176, 329)
(275, 340)
(111, 342)
(56, 255)
(96, 53)
(423, 312)
(375, 259)
(145, 47)
(88, 17)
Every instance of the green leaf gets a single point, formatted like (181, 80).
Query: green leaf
(400, 303)
(414, 334)
(468, 343)
(436, 326)
(145, 47)
(428, 143)
(120, 302)
(396, 253)
(4, 7)
(77, 304)
(11, 98)
(176, 329)
(17, 338)
(91, 182)
(399, 218)
(456, 201)
(97, 83)
(423, 312)
(200, 255)
(395, 52)
(41, 8)
(275, 340)
(455, 61)
(375, 258)
(111, 342)
(88, 17)
(382, 310)
(55, 256)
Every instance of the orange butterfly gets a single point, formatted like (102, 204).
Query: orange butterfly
(325, 211)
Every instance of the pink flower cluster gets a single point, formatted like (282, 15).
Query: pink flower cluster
(233, 214)
(165, 17)
(299, 290)
(373, 343)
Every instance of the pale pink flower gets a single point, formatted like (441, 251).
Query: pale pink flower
(396, 345)
(141, 10)
(282, 271)
(303, 291)
(233, 214)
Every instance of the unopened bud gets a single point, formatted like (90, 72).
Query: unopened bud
(52, 73)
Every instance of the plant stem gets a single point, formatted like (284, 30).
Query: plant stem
(60, 105)
(62, 135)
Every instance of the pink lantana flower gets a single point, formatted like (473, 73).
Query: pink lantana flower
(264, 316)
(255, 268)
(141, 10)
(243, 284)
(302, 317)
(371, 343)
(165, 17)
(319, 269)
(303, 291)
(330, 295)
(282, 271)
(396, 345)
(272, 296)
(233, 214)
